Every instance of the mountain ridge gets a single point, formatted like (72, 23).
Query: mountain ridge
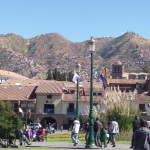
(37, 55)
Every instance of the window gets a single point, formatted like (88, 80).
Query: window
(71, 105)
(94, 94)
(72, 91)
(95, 104)
(116, 68)
(49, 96)
(70, 109)
(100, 94)
(49, 108)
(142, 107)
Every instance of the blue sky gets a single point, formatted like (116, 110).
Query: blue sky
(76, 20)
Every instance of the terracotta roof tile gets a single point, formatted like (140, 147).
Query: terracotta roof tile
(11, 74)
(143, 97)
(50, 87)
(26, 82)
(16, 93)
(126, 81)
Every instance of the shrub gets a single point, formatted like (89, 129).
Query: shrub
(124, 136)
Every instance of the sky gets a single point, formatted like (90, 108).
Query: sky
(76, 20)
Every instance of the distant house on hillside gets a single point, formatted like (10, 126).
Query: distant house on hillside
(6, 75)
(118, 73)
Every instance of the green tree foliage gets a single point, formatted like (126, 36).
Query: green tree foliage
(58, 76)
(146, 69)
(49, 75)
(70, 76)
(118, 105)
(8, 120)
(63, 77)
(124, 120)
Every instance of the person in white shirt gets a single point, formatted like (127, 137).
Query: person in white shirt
(113, 130)
(75, 131)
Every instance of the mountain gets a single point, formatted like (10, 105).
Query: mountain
(34, 57)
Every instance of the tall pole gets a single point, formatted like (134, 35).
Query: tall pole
(34, 119)
(26, 116)
(77, 102)
(78, 96)
(91, 140)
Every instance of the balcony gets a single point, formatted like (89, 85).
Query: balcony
(49, 111)
(71, 111)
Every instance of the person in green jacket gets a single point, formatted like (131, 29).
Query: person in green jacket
(103, 136)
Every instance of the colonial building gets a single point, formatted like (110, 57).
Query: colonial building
(53, 104)
(55, 101)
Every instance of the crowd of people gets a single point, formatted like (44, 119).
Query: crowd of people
(103, 134)
(29, 135)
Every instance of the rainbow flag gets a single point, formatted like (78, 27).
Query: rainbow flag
(104, 78)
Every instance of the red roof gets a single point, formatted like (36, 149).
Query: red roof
(16, 93)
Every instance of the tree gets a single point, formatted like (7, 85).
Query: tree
(63, 77)
(146, 69)
(117, 104)
(56, 75)
(8, 120)
(49, 75)
(70, 76)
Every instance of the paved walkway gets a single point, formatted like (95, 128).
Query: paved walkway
(64, 146)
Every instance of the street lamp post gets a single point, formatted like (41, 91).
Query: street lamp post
(91, 141)
(34, 119)
(78, 67)
(26, 115)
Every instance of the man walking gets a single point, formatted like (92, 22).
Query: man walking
(75, 131)
(97, 129)
(113, 130)
(135, 126)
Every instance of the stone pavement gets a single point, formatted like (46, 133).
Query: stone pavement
(69, 146)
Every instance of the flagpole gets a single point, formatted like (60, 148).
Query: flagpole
(26, 116)
(78, 96)
(77, 102)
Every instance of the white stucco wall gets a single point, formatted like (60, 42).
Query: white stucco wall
(41, 100)
(83, 107)
(135, 106)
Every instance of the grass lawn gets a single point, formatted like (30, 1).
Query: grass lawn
(66, 137)
(123, 142)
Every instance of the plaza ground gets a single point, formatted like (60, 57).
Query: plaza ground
(64, 145)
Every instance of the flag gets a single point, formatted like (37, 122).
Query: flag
(65, 90)
(75, 78)
(82, 92)
(104, 78)
(20, 110)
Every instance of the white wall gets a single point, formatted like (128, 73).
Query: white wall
(41, 100)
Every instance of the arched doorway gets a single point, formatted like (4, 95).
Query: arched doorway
(29, 121)
(49, 121)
